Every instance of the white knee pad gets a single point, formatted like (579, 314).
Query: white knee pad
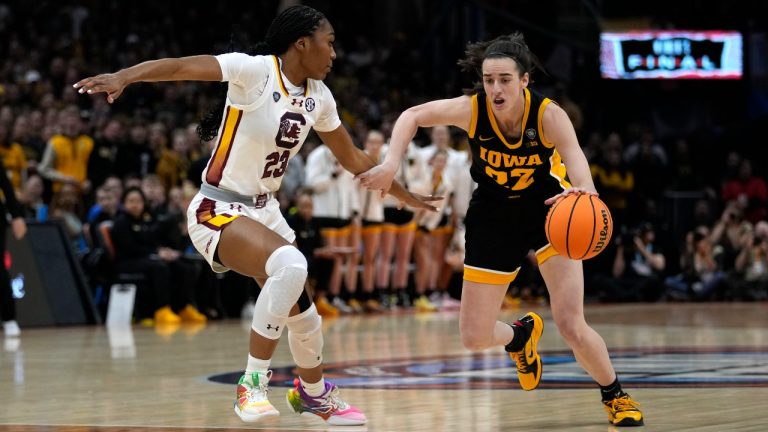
(287, 270)
(305, 338)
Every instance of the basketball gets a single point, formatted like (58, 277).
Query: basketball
(579, 226)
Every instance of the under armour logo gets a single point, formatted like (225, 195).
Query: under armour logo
(237, 207)
(297, 102)
(269, 327)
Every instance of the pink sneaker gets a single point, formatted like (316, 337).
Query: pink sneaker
(327, 406)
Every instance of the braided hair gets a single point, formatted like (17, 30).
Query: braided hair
(511, 46)
(290, 25)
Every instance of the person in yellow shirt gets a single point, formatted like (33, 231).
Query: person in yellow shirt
(13, 158)
(66, 155)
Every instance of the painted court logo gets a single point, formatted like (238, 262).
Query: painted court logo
(646, 367)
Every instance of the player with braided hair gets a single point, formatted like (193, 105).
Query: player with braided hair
(273, 100)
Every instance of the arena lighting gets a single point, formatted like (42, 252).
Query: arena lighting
(671, 54)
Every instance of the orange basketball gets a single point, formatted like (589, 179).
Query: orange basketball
(579, 226)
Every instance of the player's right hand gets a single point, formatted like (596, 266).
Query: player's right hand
(109, 83)
(417, 201)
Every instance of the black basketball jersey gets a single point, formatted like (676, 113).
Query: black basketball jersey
(530, 167)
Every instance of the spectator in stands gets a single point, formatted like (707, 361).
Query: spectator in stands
(31, 199)
(156, 198)
(648, 161)
(432, 229)
(728, 233)
(13, 158)
(174, 162)
(65, 160)
(136, 157)
(66, 208)
(683, 167)
(137, 250)
(749, 191)
(614, 179)
(29, 140)
(105, 209)
(701, 268)
(102, 162)
(637, 268)
(335, 206)
(320, 258)
(752, 265)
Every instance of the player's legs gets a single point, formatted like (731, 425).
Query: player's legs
(403, 249)
(371, 240)
(351, 237)
(423, 247)
(565, 282)
(480, 305)
(331, 237)
(386, 253)
(384, 265)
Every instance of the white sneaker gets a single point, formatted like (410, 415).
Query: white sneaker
(437, 299)
(252, 404)
(341, 305)
(449, 302)
(11, 329)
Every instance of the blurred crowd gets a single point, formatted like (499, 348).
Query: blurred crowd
(119, 178)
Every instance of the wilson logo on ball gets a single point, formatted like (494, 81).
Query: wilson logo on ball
(579, 226)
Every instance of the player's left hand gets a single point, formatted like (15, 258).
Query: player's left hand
(570, 191)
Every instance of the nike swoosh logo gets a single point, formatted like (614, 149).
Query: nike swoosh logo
(482, 138)
(534, 368)
(530, 358)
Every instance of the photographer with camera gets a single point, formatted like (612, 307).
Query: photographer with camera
(701, 268)
(637, 268)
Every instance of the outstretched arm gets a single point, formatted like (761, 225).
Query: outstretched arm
(356, 161)
(194, 68)
(453, 112)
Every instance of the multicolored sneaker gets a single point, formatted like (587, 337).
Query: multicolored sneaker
(327, 406)
(252, 404)
(623, 411)
(528, 360)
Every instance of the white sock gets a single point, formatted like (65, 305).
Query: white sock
(313, 389)
(256, 365)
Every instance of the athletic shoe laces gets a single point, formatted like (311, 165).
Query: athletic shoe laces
(259, 393)
(623, 403)
(331, 402)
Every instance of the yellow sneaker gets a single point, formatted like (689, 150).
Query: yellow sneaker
(356, 306)
(623, 411)
(191, 314)
(528, 360)
(165, 315)
(325, 308)
(422, 304)
(372, 305)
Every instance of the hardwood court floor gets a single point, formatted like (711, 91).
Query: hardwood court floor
(693, 367)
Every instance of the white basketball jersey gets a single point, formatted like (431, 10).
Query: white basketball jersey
(264, 124)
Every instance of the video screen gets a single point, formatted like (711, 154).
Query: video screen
(672, 54)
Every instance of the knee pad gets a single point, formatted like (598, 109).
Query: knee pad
(305, 338)
(287, 270)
